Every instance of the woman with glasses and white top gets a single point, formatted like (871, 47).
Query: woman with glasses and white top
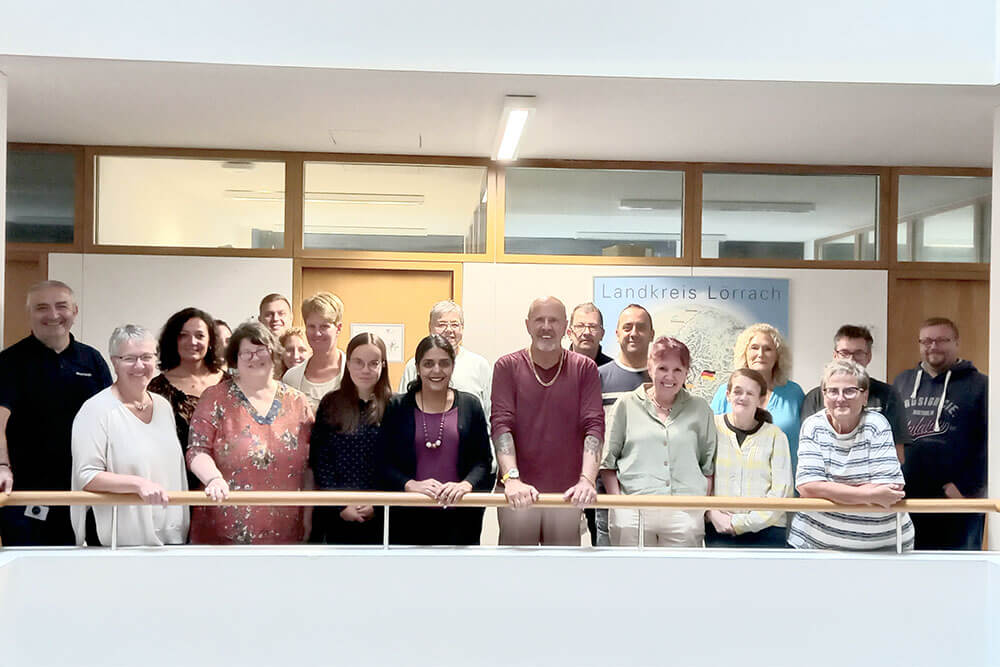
(322, 373)
(847, 454)
(434, 441)
(124, 441)
(250, 433)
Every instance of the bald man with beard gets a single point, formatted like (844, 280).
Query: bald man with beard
(548, 431)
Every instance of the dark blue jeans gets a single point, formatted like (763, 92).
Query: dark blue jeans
(772, 537)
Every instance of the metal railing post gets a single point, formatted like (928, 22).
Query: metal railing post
(642, 531)
(899, 532)
(114, 528)
(385, 527)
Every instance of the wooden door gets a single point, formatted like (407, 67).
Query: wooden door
(914, 299)
(22, 270)
(388, 296)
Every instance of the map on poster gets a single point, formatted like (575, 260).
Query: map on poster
(706, 313)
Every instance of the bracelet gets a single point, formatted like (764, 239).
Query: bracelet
(212, 480)
(592, 482)
(4, 464)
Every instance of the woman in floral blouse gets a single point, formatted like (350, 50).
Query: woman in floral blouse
(250, 433)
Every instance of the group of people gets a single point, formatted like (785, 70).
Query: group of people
(269, 407)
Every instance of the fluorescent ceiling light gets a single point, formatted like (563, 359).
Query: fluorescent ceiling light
(719, 205)
(649, 204)
(640, 236)
(367, 230)
(364, 198)
(760, 206)
(516, 110)
(330, 197)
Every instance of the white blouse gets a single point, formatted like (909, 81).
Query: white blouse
(108, 437)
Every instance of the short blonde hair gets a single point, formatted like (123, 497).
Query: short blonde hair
(289, 332)
(326, 304)
(783, 363)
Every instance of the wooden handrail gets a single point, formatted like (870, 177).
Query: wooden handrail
(298, 498)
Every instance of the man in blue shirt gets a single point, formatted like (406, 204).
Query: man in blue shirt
(619, 377)
(44, 379)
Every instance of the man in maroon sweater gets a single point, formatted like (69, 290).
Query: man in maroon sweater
(548, 431)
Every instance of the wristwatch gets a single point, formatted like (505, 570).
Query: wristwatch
(513, 473)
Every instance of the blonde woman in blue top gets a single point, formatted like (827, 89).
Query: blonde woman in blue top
(761, 348)
(751, 460)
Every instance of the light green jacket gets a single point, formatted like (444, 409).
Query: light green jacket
(653, 456)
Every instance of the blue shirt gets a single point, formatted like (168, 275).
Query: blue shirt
(784, 406)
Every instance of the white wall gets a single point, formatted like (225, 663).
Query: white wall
(305, 605)
(496, 299)
(147, 289)
(901, 41)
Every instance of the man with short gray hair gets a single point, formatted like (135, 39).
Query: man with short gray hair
(472, 374)
(44, 379)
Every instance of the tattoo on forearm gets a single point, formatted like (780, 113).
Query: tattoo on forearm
(593, 445)
(504, 444)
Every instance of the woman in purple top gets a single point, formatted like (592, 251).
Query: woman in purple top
(434, 441)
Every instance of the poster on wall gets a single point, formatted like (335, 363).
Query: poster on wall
(706, 313)
(393, 335)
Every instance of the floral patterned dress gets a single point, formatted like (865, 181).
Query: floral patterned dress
(253, 453)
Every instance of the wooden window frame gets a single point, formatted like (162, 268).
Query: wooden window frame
(294, 161)
(90, 245)
(883, 212)
(79, 209)
(489, 256)
(691, 201)
(897, 268)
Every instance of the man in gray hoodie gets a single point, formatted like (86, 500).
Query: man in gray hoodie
(945, 406)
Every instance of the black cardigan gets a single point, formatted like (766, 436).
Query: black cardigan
(398, 460)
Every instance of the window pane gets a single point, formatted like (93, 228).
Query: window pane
(404, 208)
(781, 216)
(41, 197)
(948, 218)
(190, 203)
(594, 212)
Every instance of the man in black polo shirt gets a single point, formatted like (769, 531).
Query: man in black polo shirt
(44, 379)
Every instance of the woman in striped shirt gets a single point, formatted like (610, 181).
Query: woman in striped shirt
(847, 454)
(752, 460)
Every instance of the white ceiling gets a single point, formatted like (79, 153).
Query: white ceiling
(423, 113)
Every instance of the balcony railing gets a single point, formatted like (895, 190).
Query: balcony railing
(392, 499)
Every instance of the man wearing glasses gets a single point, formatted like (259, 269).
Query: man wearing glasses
(944, 401)
(855, 343)
(586, 329)
(472, 374)
(44, 379)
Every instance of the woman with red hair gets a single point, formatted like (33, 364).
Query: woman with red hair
(662, 441)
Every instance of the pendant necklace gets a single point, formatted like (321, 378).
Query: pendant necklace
(431, 444)
(554, 377)
(652, 397)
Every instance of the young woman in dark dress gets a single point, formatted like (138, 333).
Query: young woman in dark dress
(434, 441)
(344, 444)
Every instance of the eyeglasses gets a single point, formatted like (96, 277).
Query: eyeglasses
(857, 355)
(847, 392)
(928, 342)
(358, 365)
(132, 360)
(259, 353)
(444, 326)
(580, 328)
